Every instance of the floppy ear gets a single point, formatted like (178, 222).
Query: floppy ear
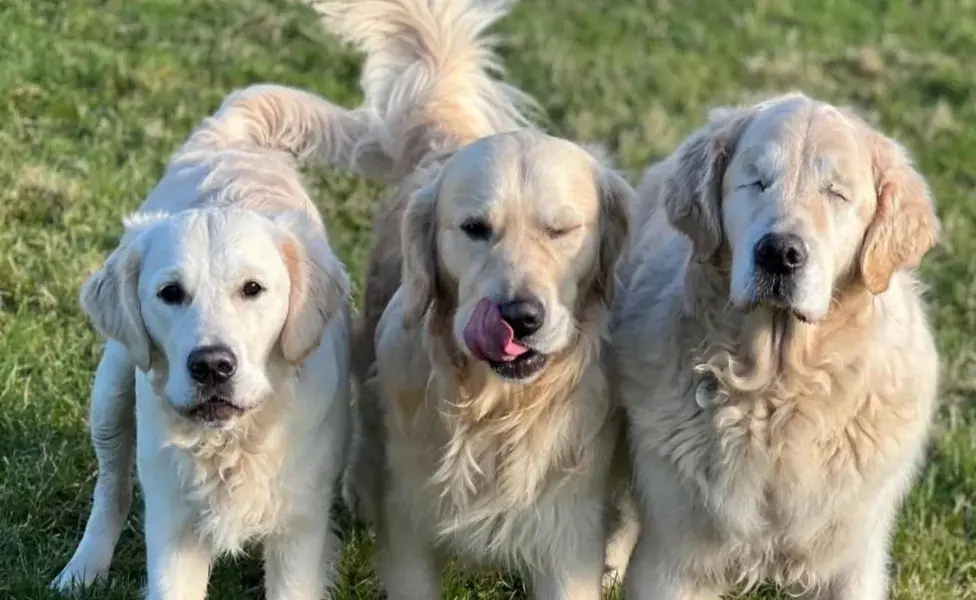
(694, 190)
(905, 225)
(418, 236)
(110, 298)
(617, 197)
(319, 287)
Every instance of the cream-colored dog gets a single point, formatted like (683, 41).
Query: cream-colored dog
(488, 430)
(227, 315)
(776, 363)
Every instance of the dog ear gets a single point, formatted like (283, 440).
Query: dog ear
(110, 297)
(418, 236)
(617, 198)
(694, 189)
(905, 225)
(319, 286)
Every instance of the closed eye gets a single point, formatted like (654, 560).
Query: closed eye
(839, 194)
(760, 184)
(558, 232)
(476, 229)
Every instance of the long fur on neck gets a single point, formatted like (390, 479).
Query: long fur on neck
(505, 444)
(767, 360)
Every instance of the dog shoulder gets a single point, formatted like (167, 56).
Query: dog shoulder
(402, 361)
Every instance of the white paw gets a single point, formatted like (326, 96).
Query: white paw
(79, 573)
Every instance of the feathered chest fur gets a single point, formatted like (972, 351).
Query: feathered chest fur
(795, 433)
(491, 452)
(232, 481)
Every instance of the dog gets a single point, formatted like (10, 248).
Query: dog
(773, 354)
(227, 319)
(485, 424)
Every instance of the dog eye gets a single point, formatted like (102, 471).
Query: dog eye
(476, 229)
(251, 289)
(558, 232)
(838, 194)
(762, 185)
(171, 293)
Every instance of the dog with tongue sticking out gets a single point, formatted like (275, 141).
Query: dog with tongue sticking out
(490, 337)
(486, 429)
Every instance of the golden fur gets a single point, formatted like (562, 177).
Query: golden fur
(773, 442)
(450, 457)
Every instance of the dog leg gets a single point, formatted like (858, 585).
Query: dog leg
(621, 545)
(177, 559)
(583, 580)
(299, 566)
(865, 579)
(409, 566)
(652, 576)
(112, 424)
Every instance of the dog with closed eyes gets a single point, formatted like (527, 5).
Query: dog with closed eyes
(774, 355)
(227, 317)
(487, 430)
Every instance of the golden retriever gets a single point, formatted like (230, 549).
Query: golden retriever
(487, 428)
(227, 317)
(775, 360)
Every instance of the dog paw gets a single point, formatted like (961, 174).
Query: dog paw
(78, 575)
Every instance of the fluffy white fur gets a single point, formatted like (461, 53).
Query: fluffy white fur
(452, 459)
(774, 437)
(231, 207)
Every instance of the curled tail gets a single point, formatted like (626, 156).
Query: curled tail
(284, 119)
(430, 75)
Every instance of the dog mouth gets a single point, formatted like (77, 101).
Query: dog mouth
(490, 339)
(524, 366)
(215, 410)
(776, 294)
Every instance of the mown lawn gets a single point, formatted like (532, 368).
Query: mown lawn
(94, 95)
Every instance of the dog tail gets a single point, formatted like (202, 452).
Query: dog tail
(285, 119)
(430, 75)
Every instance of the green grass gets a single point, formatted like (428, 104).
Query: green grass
(96, 94)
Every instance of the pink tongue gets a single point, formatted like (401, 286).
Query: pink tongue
(489, 337)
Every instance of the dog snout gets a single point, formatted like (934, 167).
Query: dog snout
(525, 315)
(781, 253)
(209, 365)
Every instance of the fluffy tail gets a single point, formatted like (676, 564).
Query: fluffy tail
(284, 119)
(430, 74)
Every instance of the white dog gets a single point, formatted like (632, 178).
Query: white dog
(776, 362)
(228, 320)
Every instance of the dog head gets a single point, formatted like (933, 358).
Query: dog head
(517, 236)
(796, 199)
(217, 304)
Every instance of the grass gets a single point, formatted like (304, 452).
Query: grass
(97, 93)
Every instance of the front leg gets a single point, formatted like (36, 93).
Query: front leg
(409, 566)
(177, 558)
(112, 424)
(580, 578)
(577, 551)
(299, 563)
(866, 576)
(654, 574)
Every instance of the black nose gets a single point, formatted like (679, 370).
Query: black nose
(780, 253)
(525, 315)
(211, 364)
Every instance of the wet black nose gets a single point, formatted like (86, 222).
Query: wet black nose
(525, 315)
(211, 364)
(780, 253)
